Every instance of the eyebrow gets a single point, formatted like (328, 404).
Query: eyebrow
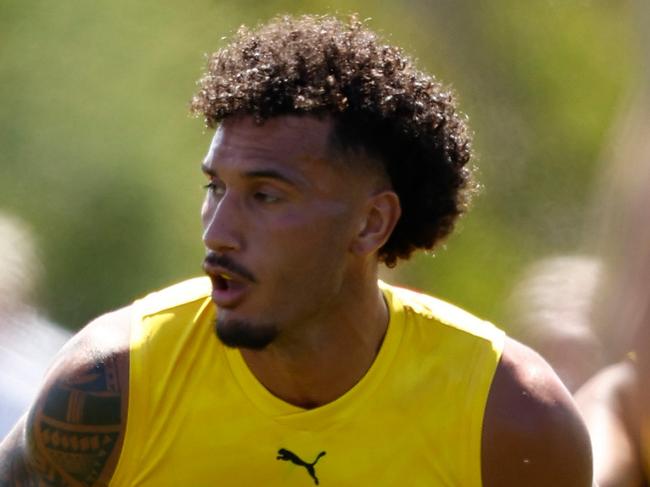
(255, 174)
(269, 174)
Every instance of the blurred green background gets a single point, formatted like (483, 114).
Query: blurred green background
(100, 156)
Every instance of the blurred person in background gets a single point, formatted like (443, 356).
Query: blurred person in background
(28, 341)
(333, 154)
(616, 401)
(550, 310)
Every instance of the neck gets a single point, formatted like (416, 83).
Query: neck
(330, 356)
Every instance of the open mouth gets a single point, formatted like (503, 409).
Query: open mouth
(228, 291)
(222, 282)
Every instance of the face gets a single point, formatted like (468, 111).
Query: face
(279, 218)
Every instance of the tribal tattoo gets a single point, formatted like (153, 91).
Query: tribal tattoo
(74, 433)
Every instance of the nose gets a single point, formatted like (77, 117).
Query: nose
(221, 232)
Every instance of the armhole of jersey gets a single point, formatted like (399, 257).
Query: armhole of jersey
(482, 384)
(127, 458)
(129, 468)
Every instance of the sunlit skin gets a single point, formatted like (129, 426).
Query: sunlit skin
(299, 228)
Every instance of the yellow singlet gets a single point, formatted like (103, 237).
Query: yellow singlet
(198, 417)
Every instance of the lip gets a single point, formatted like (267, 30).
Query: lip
(226, 293)
(230, 297)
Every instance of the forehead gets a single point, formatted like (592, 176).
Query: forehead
(289, 140)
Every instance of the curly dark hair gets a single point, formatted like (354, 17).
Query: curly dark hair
(380, 103)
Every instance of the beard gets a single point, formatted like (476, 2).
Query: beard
(244, 334)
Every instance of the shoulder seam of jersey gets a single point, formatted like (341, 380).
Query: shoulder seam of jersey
(176, 295)
(440, 310)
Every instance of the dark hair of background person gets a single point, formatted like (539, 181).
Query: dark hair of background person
(380, 103)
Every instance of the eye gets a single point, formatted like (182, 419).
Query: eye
(264, 197)
(215, 189)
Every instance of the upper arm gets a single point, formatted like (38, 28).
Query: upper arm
(609, 404)
(532, 432)
(73, 432)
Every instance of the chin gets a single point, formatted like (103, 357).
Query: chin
(238, 333)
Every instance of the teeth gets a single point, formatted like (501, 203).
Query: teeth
(225, 277)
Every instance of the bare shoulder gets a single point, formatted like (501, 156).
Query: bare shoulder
(533, 434)
(614, 392)
(73, 432)
(614, 385)
(610, 404)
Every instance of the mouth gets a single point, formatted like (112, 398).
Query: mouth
(228, 289)
(222, 281)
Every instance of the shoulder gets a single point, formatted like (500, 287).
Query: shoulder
(610, 404)
(432, 309)
(613, 385)
(180, 294)
(532, 432)
(73, 432)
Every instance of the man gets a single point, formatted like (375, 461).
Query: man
(333, 153)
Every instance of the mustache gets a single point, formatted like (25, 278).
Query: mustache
(212, 259)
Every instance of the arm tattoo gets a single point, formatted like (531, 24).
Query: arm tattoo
(74, 433)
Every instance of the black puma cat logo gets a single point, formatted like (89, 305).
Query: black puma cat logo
(288, 456)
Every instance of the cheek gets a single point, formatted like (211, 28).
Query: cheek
(318, 242)
(304, 237)
(320, 218)
(205, 212)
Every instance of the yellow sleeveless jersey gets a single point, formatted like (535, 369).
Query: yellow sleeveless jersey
(198, 417)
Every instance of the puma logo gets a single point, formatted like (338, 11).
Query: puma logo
(288, 456)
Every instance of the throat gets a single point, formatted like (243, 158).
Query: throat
(313, 379)
(314, 385)
(324, 361)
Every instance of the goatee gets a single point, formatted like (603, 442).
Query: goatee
(244, 334)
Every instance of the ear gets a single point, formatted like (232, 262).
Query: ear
(379, 219)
